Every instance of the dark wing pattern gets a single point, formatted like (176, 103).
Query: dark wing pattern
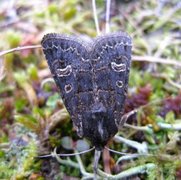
(111, 60)
(93, 80)
(69, 63)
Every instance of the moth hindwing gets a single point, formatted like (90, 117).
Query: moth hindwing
(93, 81)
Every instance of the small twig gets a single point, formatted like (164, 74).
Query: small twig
(82, 169)
(164, 76)
(126, 116)
(162, 46)
(10, 22)
(156, 60)
(4, 145)
(95, 17)
(19, 49)
(141, 148)
(71, 163)
(147, 129)
(173, 83)
(65, 155)
(128, 157)
(130, 172)
(67, 162)
(175, 126)
(106, 160)
(108, 7)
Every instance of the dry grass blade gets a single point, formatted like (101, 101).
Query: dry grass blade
(157, 60)
(95, 17)
(2, 69)
(19, 49)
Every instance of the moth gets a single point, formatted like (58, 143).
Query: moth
(93, 80)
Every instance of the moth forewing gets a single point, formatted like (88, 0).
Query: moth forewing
(93, 81)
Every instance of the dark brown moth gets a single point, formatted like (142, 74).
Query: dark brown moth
(93, 81)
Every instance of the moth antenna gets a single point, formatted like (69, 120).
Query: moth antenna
(121, 153)
(54, 153)
(114, 151)
(96, 161)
